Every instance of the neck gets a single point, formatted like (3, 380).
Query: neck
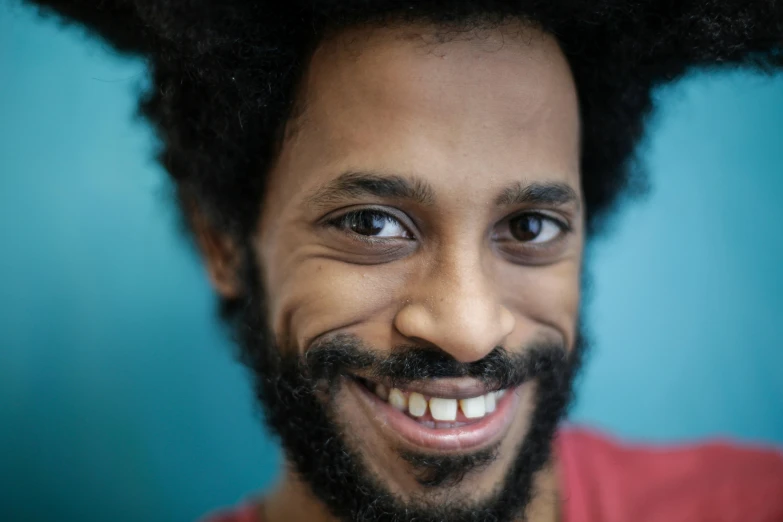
(545, 505)
(292, 501)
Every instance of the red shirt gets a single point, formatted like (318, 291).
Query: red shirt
(603, 480)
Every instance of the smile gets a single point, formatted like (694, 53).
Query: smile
(442, 414)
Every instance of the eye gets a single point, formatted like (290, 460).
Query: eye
(371, 223)
(534, 228)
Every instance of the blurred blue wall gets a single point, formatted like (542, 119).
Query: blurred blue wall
(118, 396)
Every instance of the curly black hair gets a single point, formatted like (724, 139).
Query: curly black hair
(225, 74)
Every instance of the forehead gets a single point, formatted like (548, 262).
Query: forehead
(470, 109)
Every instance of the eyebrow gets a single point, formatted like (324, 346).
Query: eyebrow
(352, 185)
(555, 194)
(356, 184)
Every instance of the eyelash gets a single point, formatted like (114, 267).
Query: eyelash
(341, 223)
(562, 225)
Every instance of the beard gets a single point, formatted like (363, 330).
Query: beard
(298, 397)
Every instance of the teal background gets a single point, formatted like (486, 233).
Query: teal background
(119, 399)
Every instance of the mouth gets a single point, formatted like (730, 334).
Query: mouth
(441, 414)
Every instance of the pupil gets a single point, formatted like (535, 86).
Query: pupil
(367, 223)
(526, 228)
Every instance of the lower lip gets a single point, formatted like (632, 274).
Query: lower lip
(470, 436)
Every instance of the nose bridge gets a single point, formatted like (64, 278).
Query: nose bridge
(456, 307)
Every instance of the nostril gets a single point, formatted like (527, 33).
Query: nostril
(423, 343)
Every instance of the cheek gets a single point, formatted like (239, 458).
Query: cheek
(319, 296)
(546, 296)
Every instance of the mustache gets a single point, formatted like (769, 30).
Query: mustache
(344, 354)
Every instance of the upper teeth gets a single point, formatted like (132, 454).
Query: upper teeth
(475, 407)
(440, 408)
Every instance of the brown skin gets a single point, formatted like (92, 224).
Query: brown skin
(467, 119)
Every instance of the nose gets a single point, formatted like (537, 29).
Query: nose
(458, 309)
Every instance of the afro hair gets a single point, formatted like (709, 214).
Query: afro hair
(224, 74)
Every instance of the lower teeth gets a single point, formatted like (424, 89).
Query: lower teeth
(440, 425)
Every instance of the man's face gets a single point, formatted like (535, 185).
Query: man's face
(427, 197)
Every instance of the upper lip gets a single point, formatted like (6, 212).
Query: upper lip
(447, 388)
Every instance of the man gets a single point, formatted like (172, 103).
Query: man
(392, 199)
